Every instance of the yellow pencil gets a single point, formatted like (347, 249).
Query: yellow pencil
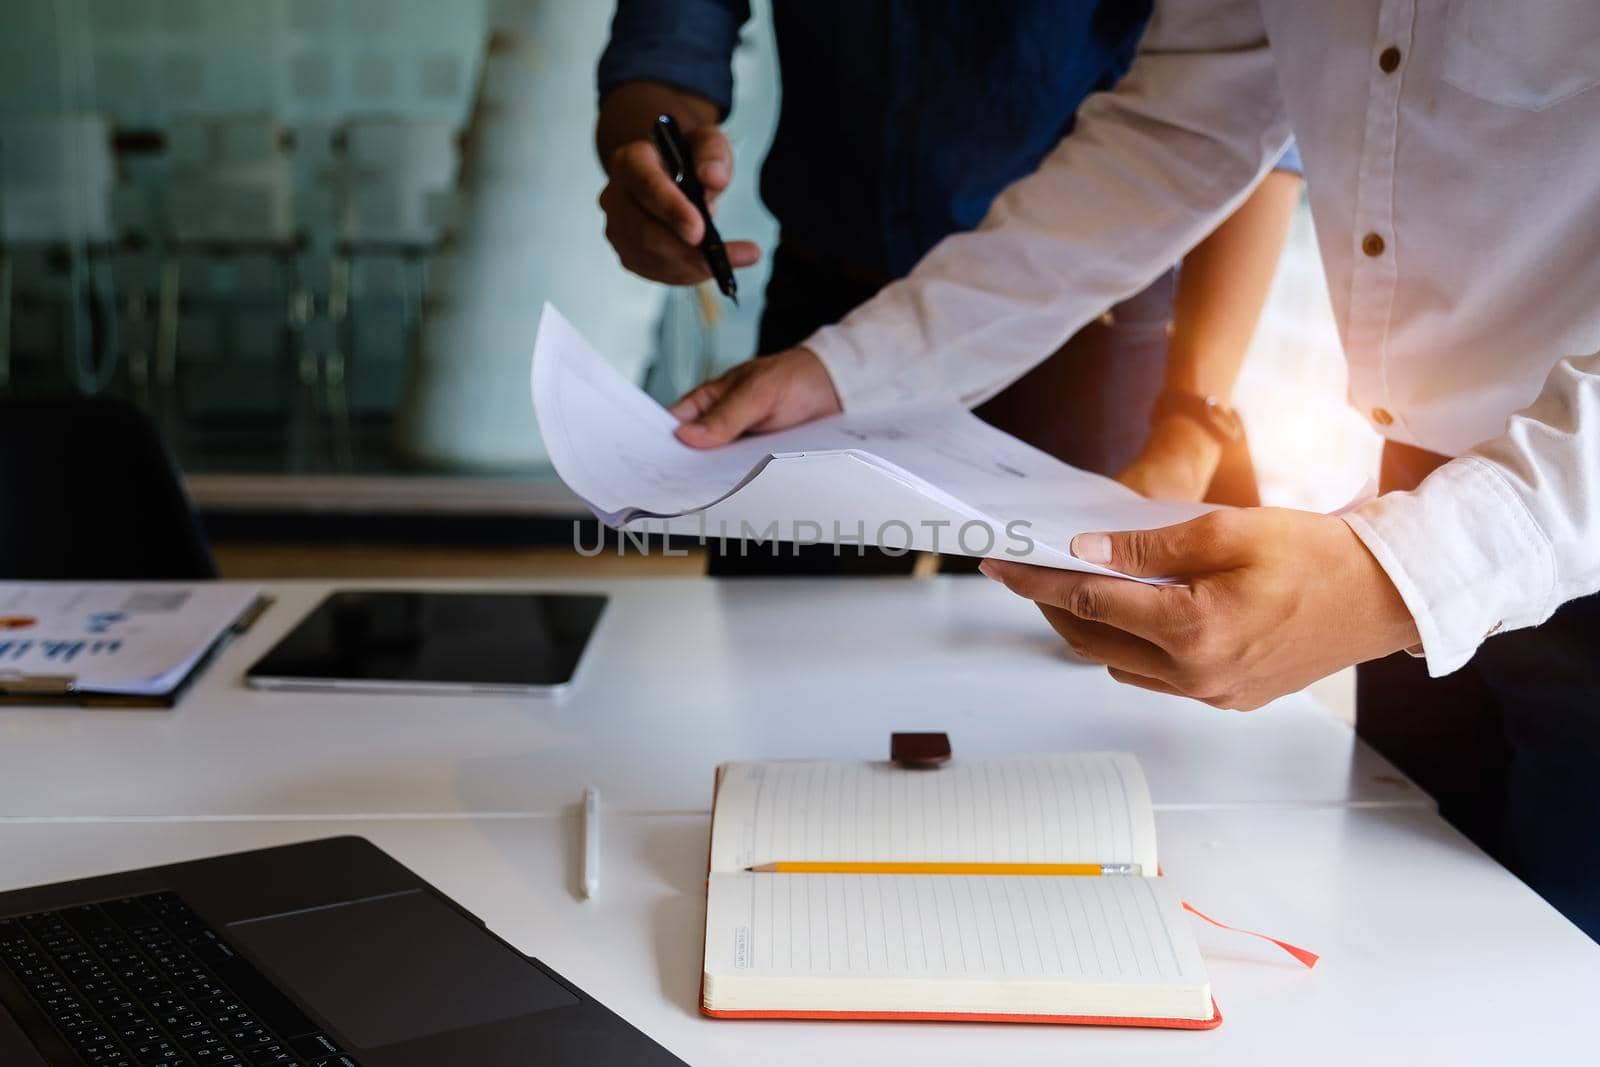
(1088, 870)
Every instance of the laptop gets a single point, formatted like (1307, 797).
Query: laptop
(322, 954)
(392, 641)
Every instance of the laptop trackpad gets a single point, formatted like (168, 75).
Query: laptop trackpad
(394, 968)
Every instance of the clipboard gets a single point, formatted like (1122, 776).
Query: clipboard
(61, 689)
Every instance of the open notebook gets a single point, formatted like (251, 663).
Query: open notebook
(1113, 949)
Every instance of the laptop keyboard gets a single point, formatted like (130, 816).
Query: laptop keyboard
(143, 982)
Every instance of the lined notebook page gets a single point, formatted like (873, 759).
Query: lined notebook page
(1118, 935)
(1082, 807)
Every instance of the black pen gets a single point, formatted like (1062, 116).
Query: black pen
(675, 154)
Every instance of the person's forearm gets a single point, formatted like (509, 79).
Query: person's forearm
(1221, 290)
(628, 111)
(1223, 287)
(1149, 169)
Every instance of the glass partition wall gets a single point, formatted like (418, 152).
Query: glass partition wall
(312, 237)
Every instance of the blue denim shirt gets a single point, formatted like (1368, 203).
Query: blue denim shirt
(900, 121)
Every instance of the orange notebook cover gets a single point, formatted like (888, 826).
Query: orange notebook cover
(974, 1017)
(990, 810)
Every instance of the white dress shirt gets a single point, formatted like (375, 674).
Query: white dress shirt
(1452, 155)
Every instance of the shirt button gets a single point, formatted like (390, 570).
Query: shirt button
(1372, 245)
(1382, 417)
(1389, 60)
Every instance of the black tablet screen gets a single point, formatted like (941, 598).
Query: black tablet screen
(489, 639)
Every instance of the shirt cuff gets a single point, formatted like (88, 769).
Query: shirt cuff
(687, 44)
(1465, 555)
(863, 381)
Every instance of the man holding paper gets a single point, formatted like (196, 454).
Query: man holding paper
(1453, 158)
(900, 123)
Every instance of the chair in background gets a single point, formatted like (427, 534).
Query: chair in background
(89, 492)
(58, 183)
(233, 307)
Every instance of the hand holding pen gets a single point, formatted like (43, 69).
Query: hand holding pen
(677, 156)
(653, 221)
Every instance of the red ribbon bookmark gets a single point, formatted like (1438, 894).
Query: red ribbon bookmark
(1305, 956)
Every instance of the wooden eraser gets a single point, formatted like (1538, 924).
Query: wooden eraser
(919, 751)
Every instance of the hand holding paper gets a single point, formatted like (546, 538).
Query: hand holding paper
(926, 477)
(757, 396)
(1271, 601)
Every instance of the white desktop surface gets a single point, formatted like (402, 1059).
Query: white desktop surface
(683, 674)
(1432, 954)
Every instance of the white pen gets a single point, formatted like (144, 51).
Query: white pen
(591, 842)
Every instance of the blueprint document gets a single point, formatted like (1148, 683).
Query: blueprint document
(924, 477)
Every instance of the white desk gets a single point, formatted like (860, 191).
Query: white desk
(1432, 954)
(1279, 821)
(684, 674)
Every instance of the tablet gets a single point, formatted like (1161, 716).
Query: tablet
(416, 642)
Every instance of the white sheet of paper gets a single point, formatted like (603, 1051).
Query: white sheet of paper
(138, 638)
(930, 468)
